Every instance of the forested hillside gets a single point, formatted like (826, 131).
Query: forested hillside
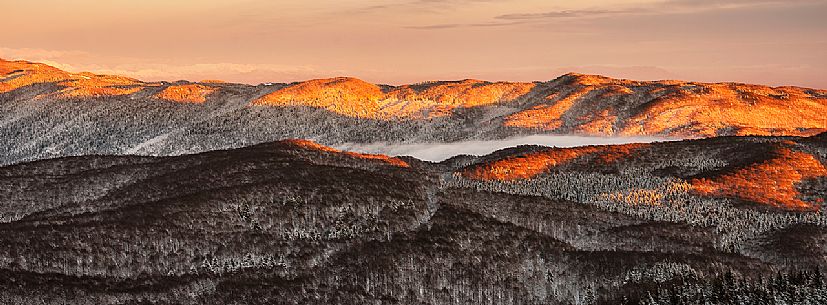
(732, 220)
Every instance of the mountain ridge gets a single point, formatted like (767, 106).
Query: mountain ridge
(47, 112)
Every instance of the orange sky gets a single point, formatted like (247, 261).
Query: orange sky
(776, 42)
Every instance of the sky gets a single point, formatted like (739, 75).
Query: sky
(773, 42)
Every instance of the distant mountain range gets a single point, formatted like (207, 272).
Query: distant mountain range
(46, 112)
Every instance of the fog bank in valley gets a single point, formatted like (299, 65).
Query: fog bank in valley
(440, 151)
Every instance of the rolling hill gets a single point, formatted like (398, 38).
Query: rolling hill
(296, 222)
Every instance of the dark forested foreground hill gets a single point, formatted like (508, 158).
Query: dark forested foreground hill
(46, 112)
(732, 220)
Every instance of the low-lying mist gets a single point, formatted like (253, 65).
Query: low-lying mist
(441, 151)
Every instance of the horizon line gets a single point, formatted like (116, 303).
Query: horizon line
(572, 73)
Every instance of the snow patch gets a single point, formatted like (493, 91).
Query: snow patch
(146, 144)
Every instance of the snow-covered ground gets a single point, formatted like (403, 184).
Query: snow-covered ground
(440, 151)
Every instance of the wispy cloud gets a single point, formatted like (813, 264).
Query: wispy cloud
(656, 8)
(731, 3)
(461, 25)
(664, 7)
(564, 14)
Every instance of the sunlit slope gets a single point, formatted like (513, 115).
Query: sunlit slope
(19, 74)
(357, 98)
(599, 105)
(529, 165)
(773, 172)
(186, 93)
(586, 104)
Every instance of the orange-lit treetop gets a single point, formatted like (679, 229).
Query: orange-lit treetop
(310, 145)
(189, 93)
(530, 165)
(19, 74)
(771, 182)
